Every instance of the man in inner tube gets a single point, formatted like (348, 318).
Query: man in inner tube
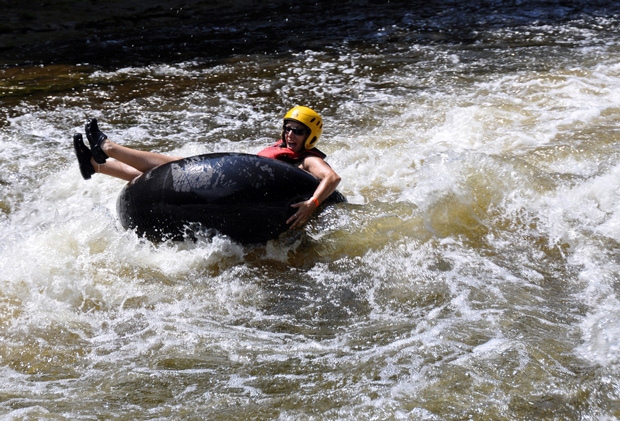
(301, 130)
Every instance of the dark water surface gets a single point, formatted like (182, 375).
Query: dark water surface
(474, 273)
(116, 33)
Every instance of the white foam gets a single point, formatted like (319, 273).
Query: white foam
(486, 196)
(601, 330)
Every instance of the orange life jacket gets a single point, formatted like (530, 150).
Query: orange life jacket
(281, 152)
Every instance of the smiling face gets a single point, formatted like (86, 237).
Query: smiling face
(295, 135)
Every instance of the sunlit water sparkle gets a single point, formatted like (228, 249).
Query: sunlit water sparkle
(473, 274)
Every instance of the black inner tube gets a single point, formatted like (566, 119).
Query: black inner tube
(243, 196)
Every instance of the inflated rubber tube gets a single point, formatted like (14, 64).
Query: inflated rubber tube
(246, 197)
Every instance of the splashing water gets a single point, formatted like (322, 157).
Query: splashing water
(473, 274)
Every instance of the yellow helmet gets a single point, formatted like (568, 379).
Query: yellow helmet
(309, 118)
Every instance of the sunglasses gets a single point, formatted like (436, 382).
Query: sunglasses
(296, 131)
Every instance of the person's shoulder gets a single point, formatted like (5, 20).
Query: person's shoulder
(313, 158)
(313, 161)
(317, 152)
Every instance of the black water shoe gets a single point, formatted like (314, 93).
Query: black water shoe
(96, 139)
(83, 155)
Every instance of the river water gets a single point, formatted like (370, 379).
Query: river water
(474, 273)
